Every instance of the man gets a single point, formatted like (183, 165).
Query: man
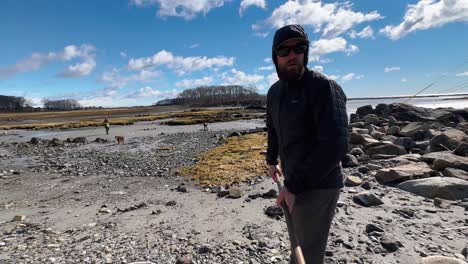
(307, 128)
(106, 125)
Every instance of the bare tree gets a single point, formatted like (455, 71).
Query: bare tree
(61, 105)
(12, 103)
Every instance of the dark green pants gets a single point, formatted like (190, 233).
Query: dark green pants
(310, 223)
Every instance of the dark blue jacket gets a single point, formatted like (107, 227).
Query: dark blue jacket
(307, 127)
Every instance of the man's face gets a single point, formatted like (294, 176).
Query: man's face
(291, 65)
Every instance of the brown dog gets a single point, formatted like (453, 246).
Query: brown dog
(120, 139)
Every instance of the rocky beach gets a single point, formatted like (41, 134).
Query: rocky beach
(76, 196)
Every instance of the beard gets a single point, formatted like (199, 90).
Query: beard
(291, 73)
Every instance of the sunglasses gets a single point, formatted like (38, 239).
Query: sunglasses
(298, 49)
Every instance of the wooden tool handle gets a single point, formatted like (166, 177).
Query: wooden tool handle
(297, 251)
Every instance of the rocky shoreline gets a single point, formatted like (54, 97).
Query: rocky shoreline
(79, 201)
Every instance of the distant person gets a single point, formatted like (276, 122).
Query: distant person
(106, 125)
(307, 130)
(205, 126)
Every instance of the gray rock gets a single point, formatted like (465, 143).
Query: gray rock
(381, 109)
(274, 211)
(406, 142)
(361, 131)
(352, 181)
(390, 243)
(81, 140)
(415, 129)
(441, 260)
(457, 173)
(361, 139)
(366, 185)
(55, 142)
(377, 134)
(365, 110)
(404, 173)
(461, 149)
(371, 119)
(356, 151)
(373, 228)
(451, 161)
(367, 198)
(349, 161)
(383, 156)
(35, 140)
(422, 144)
(393, 130)
(387, 149)
(443, 142)
(442, 187)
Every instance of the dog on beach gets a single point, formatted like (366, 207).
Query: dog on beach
(120, 139)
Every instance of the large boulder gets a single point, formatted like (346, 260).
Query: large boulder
(361, 139)
(407, 112)
(372, 119)
(406, 142)
(430, 157)
(457, 173)
(367, 198)
(365, 110)
(441, 260)
(416, 130)
(349, 161)
(387, 149)
(437, 187)
(450, 161)
(404, 173)
(55, 142)
(81, 140)
(461, 149)
(393, 130)
(448, 139)
(463, 126)
(381, 109)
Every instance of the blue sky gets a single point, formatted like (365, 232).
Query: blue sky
(136, 52)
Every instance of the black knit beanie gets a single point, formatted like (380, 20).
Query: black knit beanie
(286, 33)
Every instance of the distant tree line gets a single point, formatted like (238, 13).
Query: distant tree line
(20, 104)
(13, 104)
(217, 95)
(61, 105)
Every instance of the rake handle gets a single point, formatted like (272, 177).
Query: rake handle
(297, 250)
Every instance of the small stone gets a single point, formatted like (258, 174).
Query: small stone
(367, 199)
(171, 203)
(441, 203)
(389, 243)
(18, 218)
(235, 193)
(184, 259)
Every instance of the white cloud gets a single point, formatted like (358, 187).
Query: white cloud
(179, 64)
(390, 69)
(325, 46)
(272, 78)
(318, 68)
(187, 83)
(266, 68)
(332, 19)
(404, 80)
(83, 53)
(367, 32)
(463, 74)
(116, 79)
(351, 76)
(333, 77)
(267, 60)
(123, 55)
(241, 78)
(150, 92)
(187, 9)
(428, 14)
(247, 3)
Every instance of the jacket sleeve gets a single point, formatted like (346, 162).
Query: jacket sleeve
(332, 139)
(272, 145)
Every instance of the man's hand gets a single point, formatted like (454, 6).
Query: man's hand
(286, 197)
(275, 172)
